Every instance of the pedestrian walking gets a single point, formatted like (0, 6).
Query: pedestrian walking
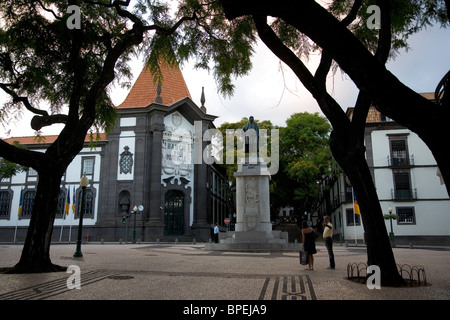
(328, 239)
(216, 233)
(309, 243)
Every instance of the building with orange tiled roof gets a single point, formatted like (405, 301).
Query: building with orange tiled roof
(48, 139)
(145, 90)
(146, 161)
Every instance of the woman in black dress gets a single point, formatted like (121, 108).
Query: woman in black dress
(309, 243)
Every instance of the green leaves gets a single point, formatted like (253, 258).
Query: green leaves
(305, 158)
(406, 17)
(41, 59)
(8, 168)
(216, 44)
(48, 63)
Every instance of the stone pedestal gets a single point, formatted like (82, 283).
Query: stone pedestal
(253, 198)
(253, 229)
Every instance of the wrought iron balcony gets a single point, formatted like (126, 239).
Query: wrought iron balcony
(400, 161)
(404, 194)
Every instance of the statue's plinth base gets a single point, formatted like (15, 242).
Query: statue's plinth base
(253, 226)
(252, 197)
(253, 241)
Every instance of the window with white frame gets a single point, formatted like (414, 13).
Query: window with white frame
(87, 165)
(402, 184)
(399, 150)
(352, 218)
(405, 215)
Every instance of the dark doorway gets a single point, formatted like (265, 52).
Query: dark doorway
(174, 213)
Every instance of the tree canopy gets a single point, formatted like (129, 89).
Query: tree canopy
(47, 67)
(305, 160)
(37, 50)
(304, 156)
(8, 168)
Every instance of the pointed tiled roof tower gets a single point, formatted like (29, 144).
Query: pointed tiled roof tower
(144, 91)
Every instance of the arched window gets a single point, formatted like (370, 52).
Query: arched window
(5, 201)
(61, 203)
(27, 204)
(89, 202)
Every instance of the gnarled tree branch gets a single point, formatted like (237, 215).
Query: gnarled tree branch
(38, 122)
(24, 100)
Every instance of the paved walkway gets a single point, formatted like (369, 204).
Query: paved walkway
(151, 271)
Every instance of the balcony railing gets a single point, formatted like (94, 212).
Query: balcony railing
(404, 194)
(400, 161)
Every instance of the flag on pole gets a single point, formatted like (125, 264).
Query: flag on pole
(355, 205)
(73, 201)
(20, 203)
(66, 208)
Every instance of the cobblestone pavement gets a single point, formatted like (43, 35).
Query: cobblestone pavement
(187, 272)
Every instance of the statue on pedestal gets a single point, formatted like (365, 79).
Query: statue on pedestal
(251, 138)
(253, 228)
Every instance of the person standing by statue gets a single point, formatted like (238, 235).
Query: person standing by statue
(328, 239)
(250, 138)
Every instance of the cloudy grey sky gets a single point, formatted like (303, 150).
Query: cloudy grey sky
(272, 92)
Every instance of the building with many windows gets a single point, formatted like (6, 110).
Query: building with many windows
(407, 180)
(145, 162)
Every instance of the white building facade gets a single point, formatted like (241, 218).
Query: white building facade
(407, 180)
(19, 191)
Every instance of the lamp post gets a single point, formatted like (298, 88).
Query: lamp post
(134, 227)
(135, 212)
(391, 217)
(83, 183)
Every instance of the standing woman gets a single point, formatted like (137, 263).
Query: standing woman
(309, 243)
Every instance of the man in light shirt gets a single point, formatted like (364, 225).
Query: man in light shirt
(216, 233)
(328, 239)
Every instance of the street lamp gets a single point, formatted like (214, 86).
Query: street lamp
(391, 217)
(83, 183)
(135, 212)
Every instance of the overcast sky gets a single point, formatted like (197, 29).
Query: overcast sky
(272, 92)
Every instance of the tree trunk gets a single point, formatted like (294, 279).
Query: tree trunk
(349, 153)
(50, 166)
(36, 251)
(347, 146)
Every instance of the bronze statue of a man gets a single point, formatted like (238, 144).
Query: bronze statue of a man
(250, 138)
